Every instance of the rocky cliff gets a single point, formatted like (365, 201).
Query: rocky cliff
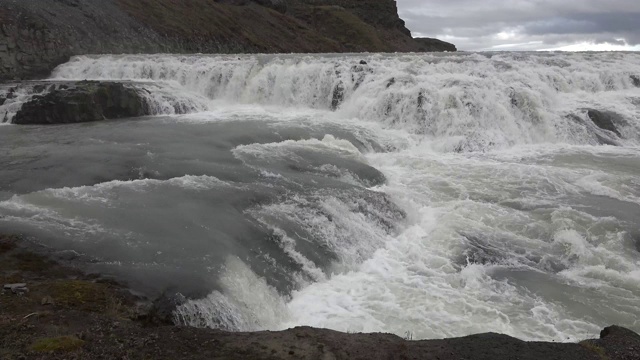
(37, 35)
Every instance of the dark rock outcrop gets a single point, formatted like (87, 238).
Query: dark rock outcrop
(635, 80)
(83, 102)
(338, 96)
(616, 343)
(37, 35)
(431, 45)
(605, 120)
(634, 239)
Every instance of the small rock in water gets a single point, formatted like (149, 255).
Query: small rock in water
(17, 288)
(605, 120)
(362, 62)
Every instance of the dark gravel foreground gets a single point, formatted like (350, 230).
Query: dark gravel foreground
(66, 314)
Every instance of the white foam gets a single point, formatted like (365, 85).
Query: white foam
(463, 102)
(287, 148)
(246, 303)
(499, 186)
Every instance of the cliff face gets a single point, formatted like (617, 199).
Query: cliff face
(37, 35)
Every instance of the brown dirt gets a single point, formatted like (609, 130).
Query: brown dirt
(68, 315)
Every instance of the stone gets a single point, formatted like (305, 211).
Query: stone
(338, 96)
(430, 45)
(391, 82)
(635, 80)
(19, 288)
(605, 120)
(160, 311)
(634, 238)
(86, 101)
(47, 300)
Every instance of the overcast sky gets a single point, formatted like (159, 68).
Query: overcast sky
(527, 24)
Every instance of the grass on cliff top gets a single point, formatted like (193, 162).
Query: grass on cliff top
(346, 28)
(244, 28)
(596, 349)
(81, 294)
(57, 344)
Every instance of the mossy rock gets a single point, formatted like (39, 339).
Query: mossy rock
(80, 294)
(57, 344)
(595, 349)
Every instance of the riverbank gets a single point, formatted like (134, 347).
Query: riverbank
(62, 313)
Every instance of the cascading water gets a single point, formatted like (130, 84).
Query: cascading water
(440, 194)
(467, 102)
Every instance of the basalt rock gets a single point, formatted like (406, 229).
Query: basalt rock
(338, 96)
(431, 45)
(605, 120)
(83, 102)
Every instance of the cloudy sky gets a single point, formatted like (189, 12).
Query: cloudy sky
(527, 24)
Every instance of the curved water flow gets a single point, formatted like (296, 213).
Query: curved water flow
(436, 194)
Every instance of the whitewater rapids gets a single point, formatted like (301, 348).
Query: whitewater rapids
(427, 195)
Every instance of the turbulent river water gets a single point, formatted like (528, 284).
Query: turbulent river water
(434, 195)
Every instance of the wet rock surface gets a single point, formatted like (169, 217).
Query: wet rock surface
(430, 45)
(605, 120)
(86, 317)
(84, 101)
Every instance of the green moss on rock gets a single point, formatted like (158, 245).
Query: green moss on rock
(595, 349)
(57, 344)
(80, 294)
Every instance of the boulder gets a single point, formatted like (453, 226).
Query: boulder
(338, 96)
(635, 80)
(431, 45)
(160, 311)
(635, 240)
(84, 101)
(605, 120)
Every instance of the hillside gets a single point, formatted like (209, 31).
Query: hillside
(37, 35)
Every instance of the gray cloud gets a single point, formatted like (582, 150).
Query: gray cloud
(524, 24)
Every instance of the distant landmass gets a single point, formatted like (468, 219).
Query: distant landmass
(37, 35)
